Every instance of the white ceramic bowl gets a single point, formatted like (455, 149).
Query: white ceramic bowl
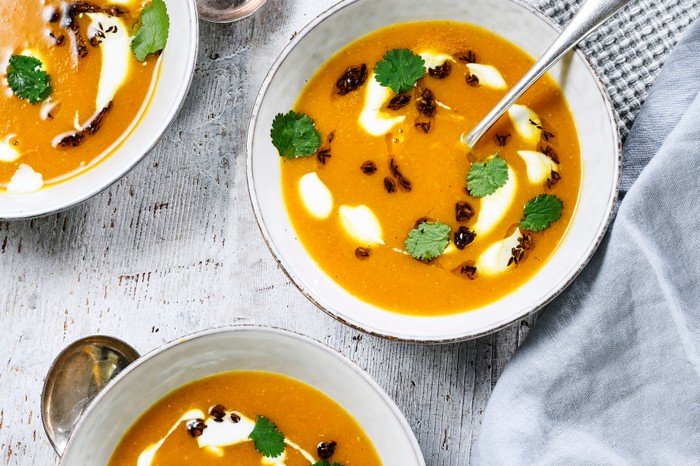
(177, 68)
(518, 23)
(240, 348)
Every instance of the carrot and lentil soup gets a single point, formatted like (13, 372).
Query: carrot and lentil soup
(387, 199)
(76, 77)
(245, 418)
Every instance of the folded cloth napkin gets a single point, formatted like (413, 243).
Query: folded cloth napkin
(611, 372)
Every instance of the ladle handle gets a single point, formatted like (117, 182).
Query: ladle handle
(591, 15)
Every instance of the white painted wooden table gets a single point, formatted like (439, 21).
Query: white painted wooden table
(174, 248)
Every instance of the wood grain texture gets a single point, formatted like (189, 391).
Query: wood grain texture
(174, 248)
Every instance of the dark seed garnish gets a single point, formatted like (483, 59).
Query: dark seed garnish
(463, 237)
(218, 413)
(114, 10)
(423, 124)
(535, 124)
(399, 101)
(467, 269)
(75, 139)
(518, 253)
(425, 102)
(466, 57)
(550, 152)
(323, 155)
(421, 221)
(362, 253)
(351, 79)
(331, 135)
(55, 16)
(326, 449)
(472, 80)
(389, 185)
(368, 168)
(196, 427)
(502, 139)
(463, 211)
(235, 418)
(553, 179)
(441, 71)
(547, 135)
(404, 182)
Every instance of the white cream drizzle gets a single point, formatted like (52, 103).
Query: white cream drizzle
(495, 206)
(539, 166)
(520, 116)
(116, 56)
(221, 434)
(315, 196)
(488, 75)
(495, 258)
(25, 180)
(361, 224)
(8, 153)
(372, 119)
(433, 59)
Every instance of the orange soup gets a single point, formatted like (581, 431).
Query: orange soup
(245, 418)
(74, 84)
(387, 199)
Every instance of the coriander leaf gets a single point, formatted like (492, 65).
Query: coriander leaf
(399, 70)
(325, 463)
(485, 178)
(267, 439)
(540, 212)
(151, 31)
(428, 241)
(27, 79)
(294, 135)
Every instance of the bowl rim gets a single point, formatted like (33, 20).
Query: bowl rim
(610, 209)
(166, 121)
(269, 329)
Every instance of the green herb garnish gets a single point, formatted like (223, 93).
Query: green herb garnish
(485, 178)
(295, 135)
(268, 440)
(27, 79)
(325, 463)
(540, 212)
(151, 32)
(399, 70)
(428, 241)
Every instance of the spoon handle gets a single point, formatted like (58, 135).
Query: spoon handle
(591, 15)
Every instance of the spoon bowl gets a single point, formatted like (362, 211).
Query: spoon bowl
(227, 11)
(78, 374)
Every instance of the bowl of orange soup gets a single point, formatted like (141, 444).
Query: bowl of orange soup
(81, 94)
(244, 396)
(375, 208)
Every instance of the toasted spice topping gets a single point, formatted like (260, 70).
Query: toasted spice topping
(441, 71)
(549, 151)
(77, 8)
(58, 40)
(518, 253)
(55, 16)
(77, 138)
(547, 135)
(351, 79)
(362, 253)
(467, 56)
(399, 101)
(467, 269)
(425, 101)
(463, 211)
(196, 427)
(502, 139)
(324, 154)
(404, 182)
(235, 418)
(326, 449)
(389, 185)
(463, 237)
(553, 179)
(368, 168)
(422, 220)
(472, 80)
(423, 123)
(218, 413)
(536, 125)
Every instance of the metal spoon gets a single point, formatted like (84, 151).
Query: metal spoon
(77, 375)
(592, 14)
(227, 11)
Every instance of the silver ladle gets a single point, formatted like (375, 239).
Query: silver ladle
(592, 14)
(77, 375)
(226, 11)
